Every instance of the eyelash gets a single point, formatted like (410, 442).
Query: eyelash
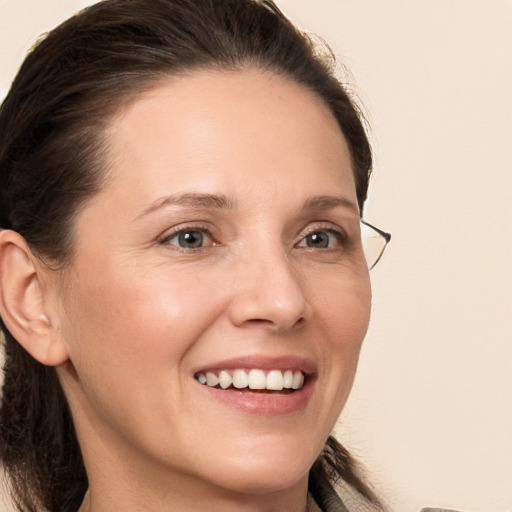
(205, 230)
(338, 233)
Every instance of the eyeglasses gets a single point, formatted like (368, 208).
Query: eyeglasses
(374, 242)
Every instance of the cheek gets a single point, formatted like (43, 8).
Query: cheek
(135, 322)
(344, 306)
(130, 336)
(344, 312)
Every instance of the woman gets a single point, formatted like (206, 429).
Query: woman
(184, 291)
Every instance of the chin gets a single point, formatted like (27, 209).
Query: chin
(268, 472)
(267, 482)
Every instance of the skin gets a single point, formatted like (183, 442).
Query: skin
(137, 315)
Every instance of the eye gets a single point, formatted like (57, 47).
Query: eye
(321, 239)
(189, 239)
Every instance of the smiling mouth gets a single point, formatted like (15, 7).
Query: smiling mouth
(253, 380)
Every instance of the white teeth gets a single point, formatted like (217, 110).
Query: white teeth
(257, 379)
(274, 380)
(240, 379)
(225, 379)
(298, 380)
(212, 379)
(288, 379)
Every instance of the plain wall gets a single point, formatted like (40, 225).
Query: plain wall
(431, 410)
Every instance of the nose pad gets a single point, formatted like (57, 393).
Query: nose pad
(268, 293)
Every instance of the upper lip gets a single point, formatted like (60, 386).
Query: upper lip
(263, 362)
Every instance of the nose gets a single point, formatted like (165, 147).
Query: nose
(268, 292)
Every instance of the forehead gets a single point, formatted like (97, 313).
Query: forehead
(223, 131)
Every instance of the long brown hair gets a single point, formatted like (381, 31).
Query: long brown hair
(51, 162)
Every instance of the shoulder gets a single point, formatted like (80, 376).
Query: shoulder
(343, 498)
(324, 498)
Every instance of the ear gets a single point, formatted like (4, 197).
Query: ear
(22, 301)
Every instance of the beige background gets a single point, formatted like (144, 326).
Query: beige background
(431, 411)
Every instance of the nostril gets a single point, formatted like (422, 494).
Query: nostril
(259, 322)
(274, 325)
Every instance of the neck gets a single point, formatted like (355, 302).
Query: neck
(98, 501)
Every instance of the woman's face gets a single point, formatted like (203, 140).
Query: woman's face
(224, 243)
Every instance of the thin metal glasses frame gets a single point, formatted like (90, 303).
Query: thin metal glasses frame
(385, 236)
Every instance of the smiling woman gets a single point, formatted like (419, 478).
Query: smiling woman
(184, 289)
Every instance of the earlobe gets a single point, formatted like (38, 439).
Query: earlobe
(22, 301)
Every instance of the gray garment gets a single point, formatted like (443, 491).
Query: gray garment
(327, 498)
(334, 504)
(428, 509)
(341, 498)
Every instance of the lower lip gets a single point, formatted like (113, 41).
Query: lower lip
(264, 404)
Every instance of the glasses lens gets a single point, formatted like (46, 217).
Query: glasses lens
(374, 242)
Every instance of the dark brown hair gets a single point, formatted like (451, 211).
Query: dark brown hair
(52, 160)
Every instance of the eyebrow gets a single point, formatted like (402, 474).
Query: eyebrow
(223, 202)
(320, 203)
(208, 201)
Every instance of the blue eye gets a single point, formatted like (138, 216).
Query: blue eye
(188, 239)
(320, 239)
